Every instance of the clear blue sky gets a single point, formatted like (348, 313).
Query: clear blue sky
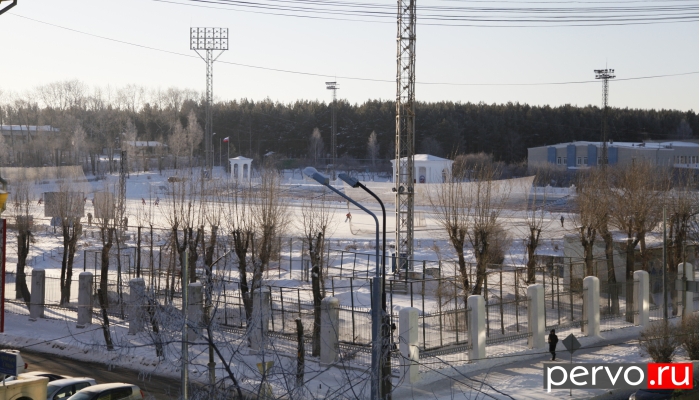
(33, 53)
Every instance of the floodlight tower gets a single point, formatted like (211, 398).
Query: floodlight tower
(209, 40)
(404, 177)
(333, 86)
(605, 75)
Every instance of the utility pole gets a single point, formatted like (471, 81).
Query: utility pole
(184, 349)
(404, 176)
(604, 75)
(209, 40)
(333, 86)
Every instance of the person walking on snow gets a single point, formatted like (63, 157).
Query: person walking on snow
(562, 221)
(348, 217)
(143, 201)
(553, 339)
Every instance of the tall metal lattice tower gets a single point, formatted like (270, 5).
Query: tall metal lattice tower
(333, 86)
(605, 75)
(209, 40)
(404, 177)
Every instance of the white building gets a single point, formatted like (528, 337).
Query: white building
(240, 168)
(429, 169)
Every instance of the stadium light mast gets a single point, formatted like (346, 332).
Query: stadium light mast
(604, 75)
(333, 86)
(209, 40)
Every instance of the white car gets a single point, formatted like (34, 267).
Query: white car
(65, 388)
(109, 391)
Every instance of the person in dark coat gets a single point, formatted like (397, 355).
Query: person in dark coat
(553, 340)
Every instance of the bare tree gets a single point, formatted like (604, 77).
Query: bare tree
(535, 221)
(106, 221)
(270, 215)
(194, 134)
(68, 206)
(315, 146)
(587, 217)
(451, 203)
(488, 198)
(373, 148)
(22, 200)
(240, 224)
(177, 142)
(315, 225)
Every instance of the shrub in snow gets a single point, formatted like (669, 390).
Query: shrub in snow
(659, 341)
(688, 336)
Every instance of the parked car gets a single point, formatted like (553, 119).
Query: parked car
(65, 388)
(109, 391)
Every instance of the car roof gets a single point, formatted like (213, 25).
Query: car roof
(105, 386)
(69, 381)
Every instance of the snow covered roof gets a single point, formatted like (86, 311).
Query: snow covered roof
(648, 145)
(426, 157)
(148, 143)
(25, 128)
(241, 158)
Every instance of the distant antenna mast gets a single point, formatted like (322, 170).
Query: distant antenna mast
(209, 40)
(405, 129)
(333, 86)
(605, 75)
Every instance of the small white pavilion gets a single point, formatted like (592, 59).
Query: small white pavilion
(240, 168)
(429, 169)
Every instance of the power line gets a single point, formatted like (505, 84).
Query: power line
(334, 76)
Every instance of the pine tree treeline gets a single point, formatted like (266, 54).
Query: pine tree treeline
(256, 128)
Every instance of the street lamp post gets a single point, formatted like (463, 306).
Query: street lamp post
(386, 332)
(376, 285)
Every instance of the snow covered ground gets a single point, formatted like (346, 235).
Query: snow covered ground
(510, 369)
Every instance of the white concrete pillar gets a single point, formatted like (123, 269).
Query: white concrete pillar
(535, 317)
(195, 310)
(477, 327)
(641, 298)
(408, 345)
(137, 303)
(688, 300)
(257, 331)
(84, 299)
(329, 330)
(38, 295)
(591, 306)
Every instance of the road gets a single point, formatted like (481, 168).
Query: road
(157, 387)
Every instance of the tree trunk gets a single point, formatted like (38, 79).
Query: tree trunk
(138, 252)
(22, 291)
(613, 288)
(629, 275)
(241, 241)
(532, 243)
(316, 255)
(107, 237)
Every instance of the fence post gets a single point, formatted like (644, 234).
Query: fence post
(408, 344)
(591, 301)
(641, 298)
(686, 296)
(137, 297)
(84, 299)
(329, 330)
(261, 317)
(477, 328)
(36, 309)
(535, 316)
(195, 309)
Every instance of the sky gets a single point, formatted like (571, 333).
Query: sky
(36, 48)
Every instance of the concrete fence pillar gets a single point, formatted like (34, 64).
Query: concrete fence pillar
(84, 299)
(329, 330)
(38, 295)
(591, 306)
(641, 298)
(477, 327)
(195, 310)
(686, 296)
(535, 317)
(408, 345)
(137, 303)
(257, 332)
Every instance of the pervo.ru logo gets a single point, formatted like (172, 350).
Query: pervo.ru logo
(618, 375)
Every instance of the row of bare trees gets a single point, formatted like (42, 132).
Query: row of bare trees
(632, 200)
